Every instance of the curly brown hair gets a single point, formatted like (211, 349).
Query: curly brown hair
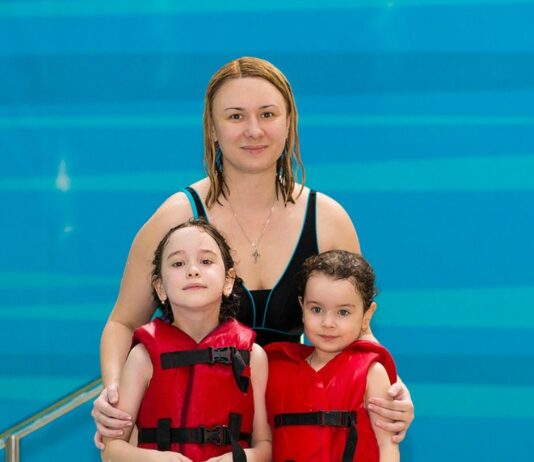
(230, 303)
(340, 264)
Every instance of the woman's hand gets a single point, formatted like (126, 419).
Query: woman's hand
(397, 410)
(109, 420)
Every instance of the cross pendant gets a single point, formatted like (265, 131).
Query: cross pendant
(256, 255)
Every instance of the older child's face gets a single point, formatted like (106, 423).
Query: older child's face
(333, 313)
(192, 271)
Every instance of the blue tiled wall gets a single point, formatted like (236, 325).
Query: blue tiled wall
(417, 116)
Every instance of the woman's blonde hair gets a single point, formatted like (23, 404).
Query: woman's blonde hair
(290, 162)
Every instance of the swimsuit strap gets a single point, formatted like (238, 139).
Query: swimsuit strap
(196, 203)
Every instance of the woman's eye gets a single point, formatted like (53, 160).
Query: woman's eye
(176, 264)
(206, 261)
(267, 115)
(235, 116)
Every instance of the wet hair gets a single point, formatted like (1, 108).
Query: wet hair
(340, 264)
(289, 165)
(230, 303)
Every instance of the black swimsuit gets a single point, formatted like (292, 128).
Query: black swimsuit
(275, 313)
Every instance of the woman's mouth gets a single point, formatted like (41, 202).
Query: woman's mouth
(254, 148)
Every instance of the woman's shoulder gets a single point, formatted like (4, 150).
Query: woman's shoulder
(325, 204)
(335, 229)
(177, 208)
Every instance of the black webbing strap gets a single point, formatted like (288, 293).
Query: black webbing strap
(345, 419)
(238, 359)
(352, 440)
(234, 430)
(165, 435)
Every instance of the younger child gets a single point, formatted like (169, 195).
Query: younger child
(186, 380)
(317, 396)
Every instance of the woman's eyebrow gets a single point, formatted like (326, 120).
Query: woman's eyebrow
(236, 108)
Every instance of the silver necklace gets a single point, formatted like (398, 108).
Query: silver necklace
(255, 252)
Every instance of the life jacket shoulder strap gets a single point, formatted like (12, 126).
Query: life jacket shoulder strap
(238, 359)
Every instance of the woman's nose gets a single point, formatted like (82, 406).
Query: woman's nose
(254, 129)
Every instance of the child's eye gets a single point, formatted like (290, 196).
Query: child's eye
(177, 264)
(315, 309)
(206, 261)
(343, 312)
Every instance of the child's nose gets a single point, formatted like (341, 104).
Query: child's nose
(328, 321)
(192, 271)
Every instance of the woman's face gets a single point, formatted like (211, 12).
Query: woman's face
(250, 123)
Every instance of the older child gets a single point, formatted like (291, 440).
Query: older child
(317, 396)
(186, 380)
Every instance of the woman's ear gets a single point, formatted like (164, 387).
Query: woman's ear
(160, 290)
(229, 282)
(367, 316)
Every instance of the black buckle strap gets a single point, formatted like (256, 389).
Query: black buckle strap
(164, 435)
(344, 419)
(321, 418)
(222, 355)
(238, 359)
(217, 435)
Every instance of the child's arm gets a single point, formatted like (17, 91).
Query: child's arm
(135, 377)
(377, 386)
(261, 450)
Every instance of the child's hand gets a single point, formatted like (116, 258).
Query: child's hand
(224, 458)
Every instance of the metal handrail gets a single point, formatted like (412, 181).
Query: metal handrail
(10, 438)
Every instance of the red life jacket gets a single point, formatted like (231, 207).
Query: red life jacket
(317, 415)
(198, 395)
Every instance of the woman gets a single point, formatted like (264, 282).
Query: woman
(251, 154)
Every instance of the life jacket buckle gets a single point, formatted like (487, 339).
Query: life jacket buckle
(330, 418)
(222, 355)
(215, 435)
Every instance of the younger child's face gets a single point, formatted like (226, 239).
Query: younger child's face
(333, 313)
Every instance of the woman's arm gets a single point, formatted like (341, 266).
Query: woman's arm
(336, 231)
(377, 385)
(135, 304)
(261, 449)
(133, 307)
